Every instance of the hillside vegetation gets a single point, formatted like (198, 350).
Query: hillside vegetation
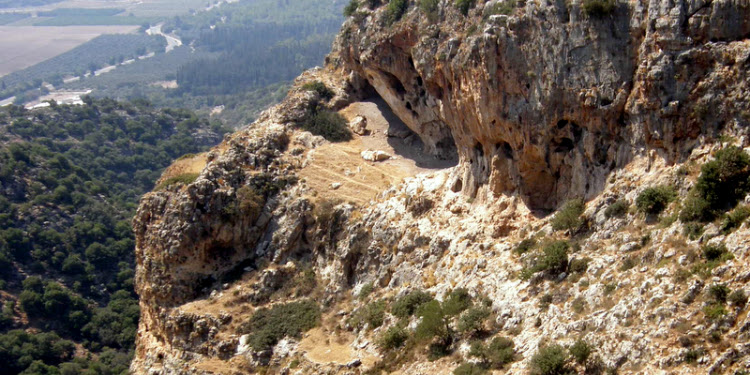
(70, 179)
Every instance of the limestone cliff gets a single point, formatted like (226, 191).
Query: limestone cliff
(540, 105)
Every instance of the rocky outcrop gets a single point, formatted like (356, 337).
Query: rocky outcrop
(548, 100)
(540, 105)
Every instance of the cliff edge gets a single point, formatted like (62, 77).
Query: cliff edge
(470, 127)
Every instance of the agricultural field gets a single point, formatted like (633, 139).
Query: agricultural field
(144, 8)
(24, 46)
(36, 30)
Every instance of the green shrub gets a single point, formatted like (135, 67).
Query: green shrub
(524, 246)
(433, 322)
(550, 360)
(617, 209)
(545, 301)
(580, 351)
(627, 264)
(500, 352)
(693, 230)
(457, 301)
(724, 181)
(578, 305)
(320, 87)
(599, 8)
(350, 8)
(438, 349)
(184, 179)
(373, 314)
(249, 202)
(463, 6)
(579, 266)
(329, 125)
(718, 293)
(569, 216)
(269, 325)
(735, 219)
(555, 257)
(654, 200)
(738, 298)
(469, 369)
(692, 355)
(473, 319)
(716, 252)
(695, 208)
(502, 7)
(430, 8)
(365, 291)
(714, 312)
(393, 338)
(396, 10)
(408, 304)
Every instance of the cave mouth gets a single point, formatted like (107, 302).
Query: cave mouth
(408, 144)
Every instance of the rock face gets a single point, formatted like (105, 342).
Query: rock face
(540, 105)
(548, 101)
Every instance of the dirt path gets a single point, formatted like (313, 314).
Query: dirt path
(361, 180)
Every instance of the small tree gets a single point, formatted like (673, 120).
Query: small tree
(473, 319)
(430, 8)
(393, 338)
(549, 360)
(351, 8)
(654, 200)
(457, 301)
(464, 6)
(407, 305)
(569, 216)
(619, 208)
(395, 10)
(580, 350)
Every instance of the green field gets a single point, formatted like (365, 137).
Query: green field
(96, 21)
(78, 12)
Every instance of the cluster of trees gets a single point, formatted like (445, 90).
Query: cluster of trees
(254, 53)
(70, 180)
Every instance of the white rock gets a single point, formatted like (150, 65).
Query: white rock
(375, 155)
(358, 125)
(243, 346)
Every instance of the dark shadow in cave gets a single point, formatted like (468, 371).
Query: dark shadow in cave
(406, 143)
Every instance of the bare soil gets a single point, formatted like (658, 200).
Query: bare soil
(361, 180)
(24, 46)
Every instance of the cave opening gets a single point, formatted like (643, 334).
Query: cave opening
(405, 141)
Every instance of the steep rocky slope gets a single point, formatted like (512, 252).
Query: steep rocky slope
(543, 104)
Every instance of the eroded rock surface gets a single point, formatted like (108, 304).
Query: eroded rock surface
(541, 105)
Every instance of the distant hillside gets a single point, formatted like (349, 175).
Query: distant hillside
(70, 179)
